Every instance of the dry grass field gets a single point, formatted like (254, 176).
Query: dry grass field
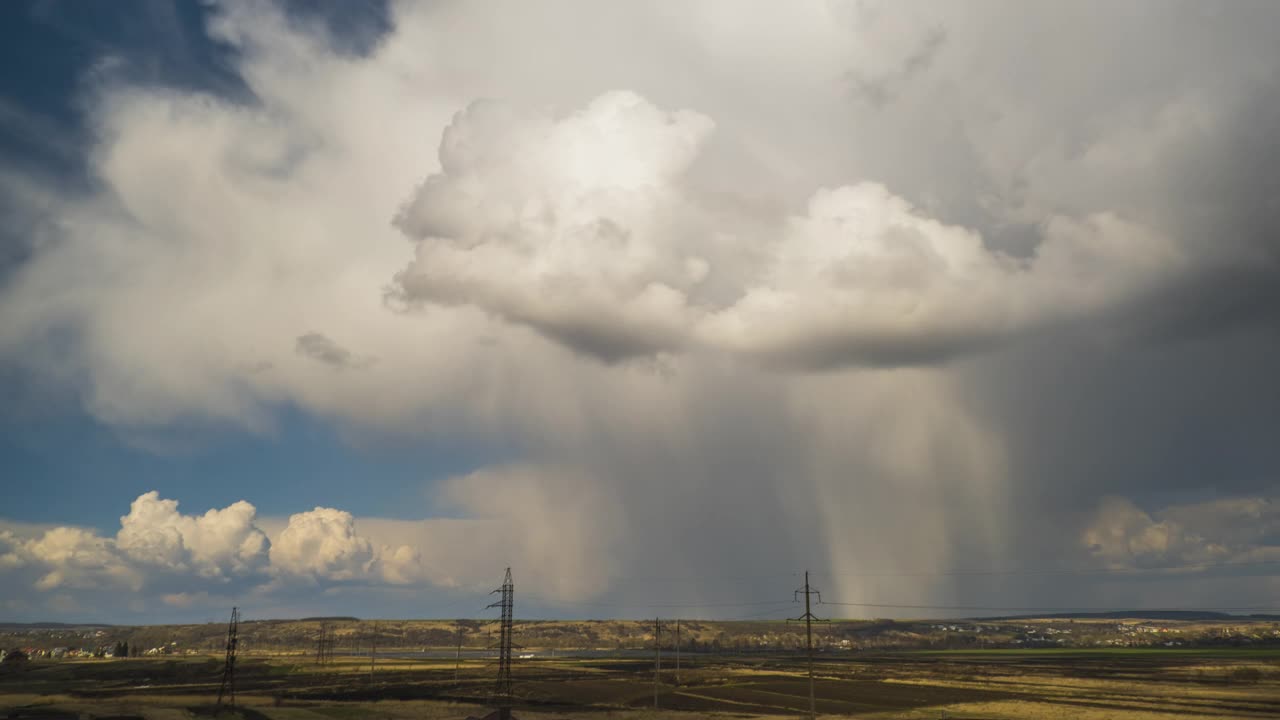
(1112, 684)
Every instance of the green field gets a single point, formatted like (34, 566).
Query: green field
(1126, 684)
(1272, 653)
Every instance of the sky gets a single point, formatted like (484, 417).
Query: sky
(343, 308)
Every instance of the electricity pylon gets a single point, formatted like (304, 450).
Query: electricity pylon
(809, 618)
(502, 690)
(228, 686)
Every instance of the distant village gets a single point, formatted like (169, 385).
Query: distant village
(56, 642)
(94, 643)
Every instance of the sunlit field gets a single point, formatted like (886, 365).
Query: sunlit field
(1127, 684)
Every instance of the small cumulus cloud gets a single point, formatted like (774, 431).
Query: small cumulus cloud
(322, 349)
(71, 557)
(185, 599)
(1230, 530)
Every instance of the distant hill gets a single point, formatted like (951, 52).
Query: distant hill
(1186, 615)
(1093, 630)
(10, 627)
(330, 618)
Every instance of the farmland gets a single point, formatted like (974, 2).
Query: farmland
(1128, 684)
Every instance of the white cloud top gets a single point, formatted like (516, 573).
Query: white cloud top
(322, 543)
(575, 226)
(222, 551)
(220, 543)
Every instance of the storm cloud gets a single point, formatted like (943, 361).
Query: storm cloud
(871, 289)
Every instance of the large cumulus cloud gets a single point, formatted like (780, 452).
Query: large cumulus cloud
(217, 544)
(575, 226)
(856, 286)
(586, 229)
(865, 278)
(159, 552)
(322, 542)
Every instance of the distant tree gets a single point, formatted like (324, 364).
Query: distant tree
(124, 649)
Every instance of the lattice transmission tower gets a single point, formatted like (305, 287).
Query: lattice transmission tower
(502, 689)
(228, 687)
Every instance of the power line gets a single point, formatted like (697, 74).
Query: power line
(471, 597)
(776, 605)
(1078, 608)
(641, 606)
(969, 572)
(720, 578)
(1150, 569)
(754, 616)
(981, 572)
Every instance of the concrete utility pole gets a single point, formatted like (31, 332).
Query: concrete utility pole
(457, 656)
(657, 658)
(677, 651)
(809, 619)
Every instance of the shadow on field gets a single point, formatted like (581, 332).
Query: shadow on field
(1113, 685)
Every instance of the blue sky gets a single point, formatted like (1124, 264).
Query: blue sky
(62, 465)
(345, 307)
(70, 469)
(50, 48)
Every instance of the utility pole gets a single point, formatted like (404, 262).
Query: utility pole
(502, 690)
(657, 659)
(457, 657)
(228, 686)
(373, 649)
(809, 619)
(677, 651)
(324, 645)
